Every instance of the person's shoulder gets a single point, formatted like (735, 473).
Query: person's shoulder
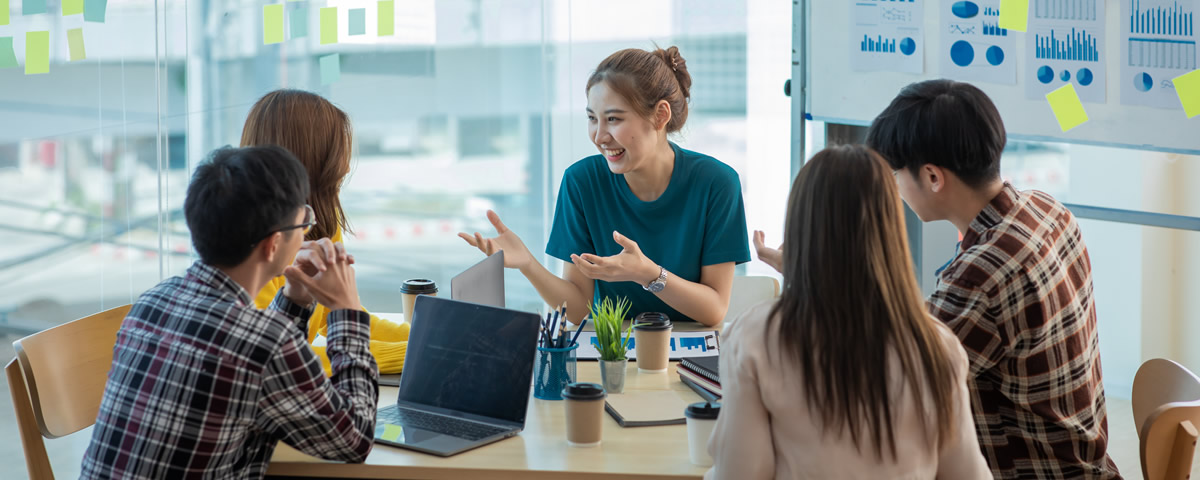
(706, 166)
(585, 168)
(749, 328)
(952, 345)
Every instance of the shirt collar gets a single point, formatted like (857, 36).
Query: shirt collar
(218, 280)
(999, 208)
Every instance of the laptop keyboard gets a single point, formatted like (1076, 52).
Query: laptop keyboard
(437, 423)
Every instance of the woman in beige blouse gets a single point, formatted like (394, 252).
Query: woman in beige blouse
(845, 376)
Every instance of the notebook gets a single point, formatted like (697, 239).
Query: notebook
(701, 391)
(700, 381)
(647, 408)
(704, 366)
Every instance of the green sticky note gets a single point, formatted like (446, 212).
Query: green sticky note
(33, 7)
(328, 25)
(1067, 107)
(272, 24)
(1014, 14)
(3, 12)
(37, 52)
(72, 7)
(392, 433)
(93, 10)
(75, 42)
(298, 20)
(331, 68)
(387, 18)
(8, 56)
(358, 21)
(1187, 86)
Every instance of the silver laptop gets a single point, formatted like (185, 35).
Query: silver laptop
(466, 378)
(483, 283)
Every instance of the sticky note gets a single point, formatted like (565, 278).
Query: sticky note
(75, 42)
(1187, 86)
(387, 18)
(328, 25)
(298, 21)
(93, 10)
(8, 56)
(37, 52)
(3, 12)
(33, 7)
(331, 68)
(358, 21)
(272, 24)
(1014, 14)
(392, 433)
(1067, 107)
(72, 7)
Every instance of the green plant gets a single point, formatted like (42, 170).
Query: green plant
(607, 319)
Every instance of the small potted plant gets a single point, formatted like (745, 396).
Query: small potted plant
(607, 319)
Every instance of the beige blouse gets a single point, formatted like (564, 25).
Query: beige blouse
(765, 429)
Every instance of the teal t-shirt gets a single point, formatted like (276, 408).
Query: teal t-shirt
(699, 220)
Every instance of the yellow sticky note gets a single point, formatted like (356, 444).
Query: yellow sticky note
(1014, 14)
(37, 52)
(1187, 86)
(1067, 107)
(272, 24)
(3, 12)
(328, 25)
(72, 7)
(392, 432)
(75, 42)
(387, 18)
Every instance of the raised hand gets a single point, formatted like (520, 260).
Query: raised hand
(516, 254)
(631, 265)
(769, 256)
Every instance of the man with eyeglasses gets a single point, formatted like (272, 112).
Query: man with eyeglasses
(203, 384)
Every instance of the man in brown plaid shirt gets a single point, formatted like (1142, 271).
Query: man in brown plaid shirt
(1018, 293)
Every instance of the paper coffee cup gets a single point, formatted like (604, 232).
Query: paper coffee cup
(585, 413)
(652, 341)
(409, 291)
(701, 419)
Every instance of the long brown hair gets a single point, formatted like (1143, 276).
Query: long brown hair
(644, 78)
(850, 299)
(317, 133)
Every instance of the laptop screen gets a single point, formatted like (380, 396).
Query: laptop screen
(482, 283)
(470, 358)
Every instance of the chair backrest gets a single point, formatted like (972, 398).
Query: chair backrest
(65, 369)
(747, 292)
(1165, 396)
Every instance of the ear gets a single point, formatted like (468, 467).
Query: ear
(269, 247)
(662, 114)
(935, 177)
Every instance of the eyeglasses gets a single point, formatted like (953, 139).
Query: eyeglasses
(310, 219)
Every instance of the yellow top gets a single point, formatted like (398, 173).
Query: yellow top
(389, 340)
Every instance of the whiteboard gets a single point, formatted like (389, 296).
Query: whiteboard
(839, 94)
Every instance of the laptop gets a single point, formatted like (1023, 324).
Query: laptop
(483, 283)
(466, 378)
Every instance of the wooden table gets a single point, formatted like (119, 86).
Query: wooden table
(539, 452)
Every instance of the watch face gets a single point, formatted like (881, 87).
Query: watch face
(656, 286)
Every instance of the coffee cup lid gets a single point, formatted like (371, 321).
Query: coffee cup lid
(652, 321)
(583, 391)
(703, 410)
(419, 286)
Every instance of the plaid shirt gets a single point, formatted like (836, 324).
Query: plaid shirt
(203, 385)
(1019, 296)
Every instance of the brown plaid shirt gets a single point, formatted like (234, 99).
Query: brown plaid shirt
(1019, 296)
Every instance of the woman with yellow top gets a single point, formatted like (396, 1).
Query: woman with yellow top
(319, 134)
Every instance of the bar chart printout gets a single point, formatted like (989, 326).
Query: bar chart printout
(1065, 44)
(887, 35)
(1158, 43)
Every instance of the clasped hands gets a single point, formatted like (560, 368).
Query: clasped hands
(322, 270)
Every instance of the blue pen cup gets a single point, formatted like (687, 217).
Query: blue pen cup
(553, 369)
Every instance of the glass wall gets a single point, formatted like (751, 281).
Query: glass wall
(468, 105)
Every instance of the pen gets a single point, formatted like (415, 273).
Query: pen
(575, 338)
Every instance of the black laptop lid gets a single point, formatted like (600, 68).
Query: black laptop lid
(470, 358)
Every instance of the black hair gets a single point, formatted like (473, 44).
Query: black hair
(239, 196)
(949, 124)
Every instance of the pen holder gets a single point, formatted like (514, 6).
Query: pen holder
(552, 371)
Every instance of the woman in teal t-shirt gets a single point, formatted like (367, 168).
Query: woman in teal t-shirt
(644, 220)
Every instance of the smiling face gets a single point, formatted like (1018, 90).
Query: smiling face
(627, 140)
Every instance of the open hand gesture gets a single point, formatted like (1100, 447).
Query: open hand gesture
(769, 256)
(516, 254)
(631, 265)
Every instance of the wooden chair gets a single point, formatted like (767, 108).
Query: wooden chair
(57, 381)
(1166, 413)
(747, 292)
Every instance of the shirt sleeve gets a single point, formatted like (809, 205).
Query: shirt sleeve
(740, 444)
(725, 235)
(963, 302)
(331, 418)
(298, 314)
(569, 232)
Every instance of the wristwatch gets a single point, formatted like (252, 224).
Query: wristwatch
(658, 284)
